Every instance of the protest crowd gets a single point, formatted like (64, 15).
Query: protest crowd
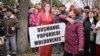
(82, 31)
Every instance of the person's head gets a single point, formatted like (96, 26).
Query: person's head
(80, 10)
(96, 9)
(71, 7)
(9, 12)
(47, 7)
(57, 11)
(86, 9)
(62, 7)
(4, 8)
(74, 13)
(53, 10)
(96, 14)
(91, 14)
(14, 6)
(84, 14)
(31, 10)
(36, 6)
(36, 11)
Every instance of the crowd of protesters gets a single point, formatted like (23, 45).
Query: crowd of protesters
(82, 33)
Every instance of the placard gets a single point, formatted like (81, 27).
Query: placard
(46, 34)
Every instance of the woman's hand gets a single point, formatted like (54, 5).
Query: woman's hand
(62, 16)
(67, 18)
(70, 20)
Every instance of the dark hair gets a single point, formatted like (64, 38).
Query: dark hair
(9, 10)
(86, 7)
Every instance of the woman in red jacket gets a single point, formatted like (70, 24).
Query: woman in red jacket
(46, 18)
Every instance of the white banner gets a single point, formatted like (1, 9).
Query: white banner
(46, 34)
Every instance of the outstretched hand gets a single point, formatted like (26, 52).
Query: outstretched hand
(70, 20)
(62, 16)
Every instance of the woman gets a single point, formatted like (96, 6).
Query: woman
(71, 8)
(33, 21)
(89, 26)
(46, 18)
(74, 37)
(98, 38)
(34, 17)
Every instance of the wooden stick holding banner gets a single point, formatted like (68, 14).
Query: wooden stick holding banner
(46, 34)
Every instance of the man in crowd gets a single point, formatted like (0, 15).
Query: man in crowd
(11, 24)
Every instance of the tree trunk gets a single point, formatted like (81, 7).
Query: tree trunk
(22, 40)
(1, 0)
